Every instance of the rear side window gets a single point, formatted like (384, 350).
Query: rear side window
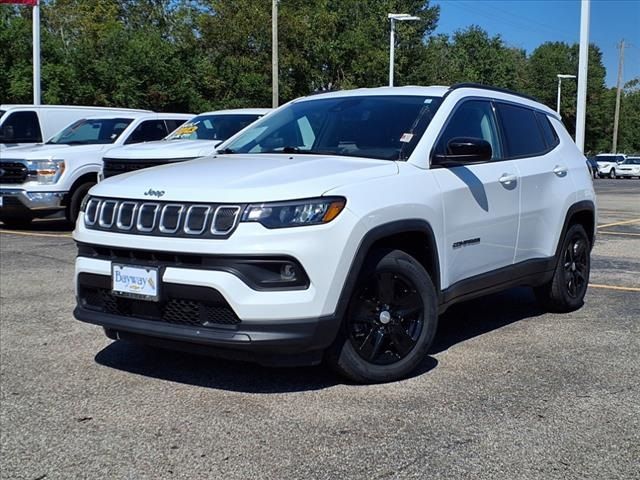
(523, 137)
(548, 132)
(173, 124)
(148, 131)
(21, 127)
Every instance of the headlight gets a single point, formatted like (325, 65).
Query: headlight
(45, 172)
(297, 213)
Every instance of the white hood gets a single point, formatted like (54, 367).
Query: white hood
(245, 178)
(43, 151)
(165, 149)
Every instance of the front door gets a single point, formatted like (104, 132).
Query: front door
(481, 201)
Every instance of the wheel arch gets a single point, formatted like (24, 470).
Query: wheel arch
(413, 236)
(84, 178)
(581, 213)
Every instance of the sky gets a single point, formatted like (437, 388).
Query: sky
(529, 23)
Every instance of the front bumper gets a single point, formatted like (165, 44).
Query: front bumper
(627, 173)
(18, 203)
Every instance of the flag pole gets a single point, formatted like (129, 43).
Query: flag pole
(36, 53)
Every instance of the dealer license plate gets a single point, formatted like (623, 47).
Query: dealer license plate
(135, 282)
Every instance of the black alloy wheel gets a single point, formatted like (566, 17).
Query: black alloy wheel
(385, 319)
(575, 265)
(566, 290)
(390, 322)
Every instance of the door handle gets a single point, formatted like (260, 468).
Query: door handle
(508, 179)
(560, 170)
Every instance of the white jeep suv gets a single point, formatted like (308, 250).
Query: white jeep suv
(339, 227)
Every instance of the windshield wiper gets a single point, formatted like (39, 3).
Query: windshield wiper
(226, 151)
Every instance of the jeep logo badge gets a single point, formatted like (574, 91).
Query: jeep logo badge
(154, 193)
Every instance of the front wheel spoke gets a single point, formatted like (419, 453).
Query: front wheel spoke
(372, 344)
(402, 341)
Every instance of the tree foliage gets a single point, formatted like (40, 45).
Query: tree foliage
(196, 55)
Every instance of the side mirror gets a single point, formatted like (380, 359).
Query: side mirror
(464, 151)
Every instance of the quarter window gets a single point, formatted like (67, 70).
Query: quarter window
(21, 127)
(523, 137)
(548, 132)
(474, 119)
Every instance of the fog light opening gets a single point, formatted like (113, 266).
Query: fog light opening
(288, 272)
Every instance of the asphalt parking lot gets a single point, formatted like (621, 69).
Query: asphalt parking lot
(507, 391)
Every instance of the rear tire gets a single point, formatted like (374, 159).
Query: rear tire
(390, 321)
(566, 290)
(73, 209)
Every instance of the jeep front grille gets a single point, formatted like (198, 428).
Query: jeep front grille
(161, 218)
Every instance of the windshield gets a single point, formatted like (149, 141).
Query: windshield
(212, 127)
(632, 161)
(380, 127)
(92, 131)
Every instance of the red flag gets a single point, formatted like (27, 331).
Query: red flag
(21, 2)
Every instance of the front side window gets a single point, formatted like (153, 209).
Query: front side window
(378, 127)
(212, 127)
(21, 127)
(522, 134)
(101, 131)
(473, 119)
(148, 131)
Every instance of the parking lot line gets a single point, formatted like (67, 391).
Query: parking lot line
(637, 220)
(614, 287)
(620, 233)
(33, 234)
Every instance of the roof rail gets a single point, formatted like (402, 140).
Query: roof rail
(494, 89)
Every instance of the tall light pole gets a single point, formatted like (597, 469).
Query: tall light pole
(36, 54)
(560, 77)
(583, 65)
(274, 53)
(401, 17)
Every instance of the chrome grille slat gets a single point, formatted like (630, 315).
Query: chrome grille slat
(141, 211)
(190, 212)
(229, 212)
(176, 219)
(132, 221)
(163, 228)
(106, 207)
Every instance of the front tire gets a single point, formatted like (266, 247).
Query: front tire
(390, 321)
(73, 210)
(612, 173)
(566, 290)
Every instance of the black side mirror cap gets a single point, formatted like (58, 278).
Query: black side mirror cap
(464, 151)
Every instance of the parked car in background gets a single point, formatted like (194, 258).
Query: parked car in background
(22, 125)
(608, 162)
(51, 179)
(629, 168)
(592, 165)
(197, 138)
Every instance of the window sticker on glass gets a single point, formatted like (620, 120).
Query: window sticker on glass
(186, 129)
(406, 137)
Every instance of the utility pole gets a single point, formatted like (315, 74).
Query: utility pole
(616, 117)
(274, 53)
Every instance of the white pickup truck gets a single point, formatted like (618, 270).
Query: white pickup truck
(51, 179)
(197, 138)
(28, 125)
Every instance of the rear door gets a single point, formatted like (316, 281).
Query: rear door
(481, 202)
(545, 184)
